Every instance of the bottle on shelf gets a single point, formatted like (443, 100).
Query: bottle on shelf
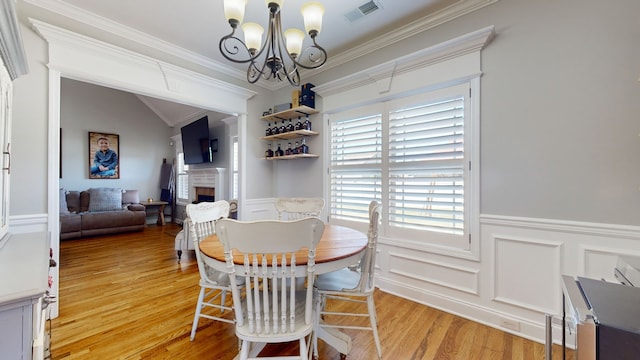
(269, 152)
(279, 151)
(268, 131)
(296, 148)
(289, 151)
(282, 129)
(299, 125)
(275, 130)
(307, 124)
(290, 126)
(304, 149)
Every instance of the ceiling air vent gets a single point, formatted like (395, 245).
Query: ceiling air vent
(362, 10)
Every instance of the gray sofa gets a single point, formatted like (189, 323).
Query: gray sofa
(112, 211)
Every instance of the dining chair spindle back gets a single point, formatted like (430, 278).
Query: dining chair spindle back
(298, 208)
(271, 309)
(214, 284)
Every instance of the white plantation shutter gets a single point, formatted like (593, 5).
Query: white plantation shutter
(414, 156)
(426, 167)
(182, 181)
(356, 157)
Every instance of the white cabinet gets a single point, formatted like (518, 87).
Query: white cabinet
(6, 92)
(24, 269)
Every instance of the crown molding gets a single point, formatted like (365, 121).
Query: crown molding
(115, 28)
(380, 75)
(11, 49)
(442, 16)
(84, 58)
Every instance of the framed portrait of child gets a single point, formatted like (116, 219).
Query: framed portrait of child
(104, 156)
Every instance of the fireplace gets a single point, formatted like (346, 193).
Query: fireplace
(204, 193)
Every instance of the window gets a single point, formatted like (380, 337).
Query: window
(182, 180)
(410, 154)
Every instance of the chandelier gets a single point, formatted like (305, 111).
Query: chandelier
(280, 55)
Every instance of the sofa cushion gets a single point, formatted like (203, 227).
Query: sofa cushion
(84, 201)
(112, 219)
(64, 209)
(73, 201)
(105, 199)
(136, 207)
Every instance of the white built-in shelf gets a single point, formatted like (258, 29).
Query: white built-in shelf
(291, 157)
(290, 113)
(290, 135)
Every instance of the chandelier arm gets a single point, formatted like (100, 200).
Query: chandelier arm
(290, 71)
(229, 48)
(317, 60)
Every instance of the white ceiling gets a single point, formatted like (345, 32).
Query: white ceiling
(192, 29)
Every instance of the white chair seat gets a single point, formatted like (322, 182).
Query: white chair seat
(340, 280)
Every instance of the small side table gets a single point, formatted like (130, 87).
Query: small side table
(160, 206)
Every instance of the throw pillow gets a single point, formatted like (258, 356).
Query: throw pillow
(105, 199)
(64, 209)
(130, 197)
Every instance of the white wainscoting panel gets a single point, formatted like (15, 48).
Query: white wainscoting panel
(420, 270)
(522, 267)
(517, 277)
(597, 262)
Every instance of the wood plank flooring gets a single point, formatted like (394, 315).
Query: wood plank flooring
(126, 297)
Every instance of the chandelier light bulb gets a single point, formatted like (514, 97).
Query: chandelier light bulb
(294, 38)
(234, 10)
(279, 2)
(252, 36)
(312, 13)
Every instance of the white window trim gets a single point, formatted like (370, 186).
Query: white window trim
(177, 143)
(453, 62)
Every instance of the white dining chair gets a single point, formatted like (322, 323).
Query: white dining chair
(352, 284)
(214, 284)
(271, 309)
(291, 208)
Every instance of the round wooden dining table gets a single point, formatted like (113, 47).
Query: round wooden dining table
(338, 248)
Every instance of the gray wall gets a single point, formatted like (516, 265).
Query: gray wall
(143, 136)
(559, 131)
(559, 106)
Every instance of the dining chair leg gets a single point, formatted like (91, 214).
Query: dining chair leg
(244, 350)
(316, 326)
(196, 317)
(373, 317)
(303, 349)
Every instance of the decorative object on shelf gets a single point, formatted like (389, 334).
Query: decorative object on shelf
(307, 124)
(276, 58)
(308, 96)
(279, 151)
(269, 152)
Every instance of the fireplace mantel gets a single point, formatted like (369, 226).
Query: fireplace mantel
(207, 178)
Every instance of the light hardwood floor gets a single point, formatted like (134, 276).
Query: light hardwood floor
(126, 297)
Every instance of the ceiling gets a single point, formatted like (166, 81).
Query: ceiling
(191, 29)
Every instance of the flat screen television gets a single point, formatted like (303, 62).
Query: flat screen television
(196, 145)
